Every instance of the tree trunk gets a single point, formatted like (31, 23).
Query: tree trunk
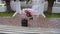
(50, 5)
(8, 6)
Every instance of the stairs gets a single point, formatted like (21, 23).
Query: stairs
(27, 30)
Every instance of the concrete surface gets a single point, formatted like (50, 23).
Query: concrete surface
(36, 22)
(27, 30)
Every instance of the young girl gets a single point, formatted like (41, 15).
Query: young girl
(28, 14)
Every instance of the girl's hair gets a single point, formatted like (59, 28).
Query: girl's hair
(26, 11)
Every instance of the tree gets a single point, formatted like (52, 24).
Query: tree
(50, 5)
(8, 5)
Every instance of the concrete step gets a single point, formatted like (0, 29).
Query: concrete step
(24, 30)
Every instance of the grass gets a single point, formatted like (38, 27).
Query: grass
(5, 14)
(53, 15)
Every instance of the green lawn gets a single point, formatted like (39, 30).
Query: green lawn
(54, 15)
(5, 14)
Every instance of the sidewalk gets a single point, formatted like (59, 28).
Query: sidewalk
(40, 22)
(15, 29)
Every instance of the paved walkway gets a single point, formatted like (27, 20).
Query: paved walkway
(27, 30)
(37, 22)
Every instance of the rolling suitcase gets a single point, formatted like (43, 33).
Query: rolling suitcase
(24, 22)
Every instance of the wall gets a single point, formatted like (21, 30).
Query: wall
(2, 9)
(28, 5)
(13, 5)
(56, 9)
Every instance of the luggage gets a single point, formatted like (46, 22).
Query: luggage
(24, 22)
